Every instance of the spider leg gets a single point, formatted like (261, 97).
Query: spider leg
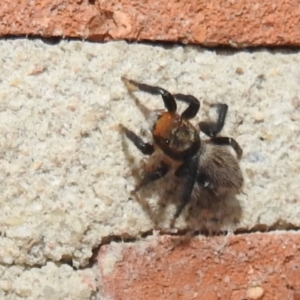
(187, 171)
(168, 99)
(227, 141)
(193, 108)
(156, 174)
(212, 128)
(145, 148)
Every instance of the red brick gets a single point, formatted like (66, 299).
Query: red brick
(237, 23)
(251, 266)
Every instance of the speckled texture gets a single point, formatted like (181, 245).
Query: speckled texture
(246, 267)
(237, 23)
(65, 177)
(50, 282)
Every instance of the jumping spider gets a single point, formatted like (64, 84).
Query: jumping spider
(206, 168)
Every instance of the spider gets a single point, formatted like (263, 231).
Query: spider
(206, 167)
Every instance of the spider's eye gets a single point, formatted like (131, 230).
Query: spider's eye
(166, 141)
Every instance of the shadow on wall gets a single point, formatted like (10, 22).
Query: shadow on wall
(203, 214)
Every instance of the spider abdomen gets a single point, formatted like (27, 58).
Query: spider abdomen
(219, 168)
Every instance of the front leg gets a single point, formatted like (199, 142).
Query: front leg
(145, 148)
(167, 97)
(193, 105)
(156, 174)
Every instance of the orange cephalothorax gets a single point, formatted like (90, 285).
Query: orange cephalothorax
(165, 123)
(176, 137)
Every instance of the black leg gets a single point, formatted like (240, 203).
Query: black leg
(168, 99)
(158, 173)
(227, 141)
(211, 129)
(181, 171)
(188, 172)
(145, 148)
(192, 109)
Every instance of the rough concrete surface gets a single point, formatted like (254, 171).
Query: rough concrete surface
(241, 267)
(49, 282)
(66, 175)
(238, 23)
